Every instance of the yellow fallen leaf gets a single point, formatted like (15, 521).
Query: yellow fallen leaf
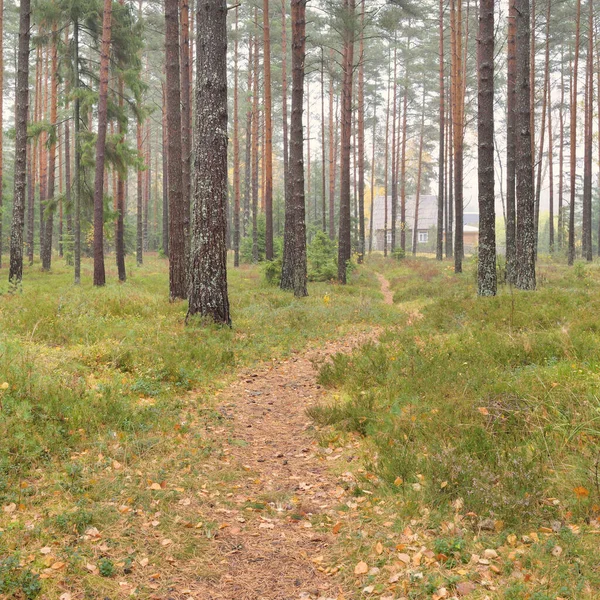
(398, 481)
(361, 568)
(379, 548)
(155, 486)
(57, 566)
(483, 410)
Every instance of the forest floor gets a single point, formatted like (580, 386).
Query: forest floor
(393, 439)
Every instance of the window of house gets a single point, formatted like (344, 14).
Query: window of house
(389, 238)
(423, 237)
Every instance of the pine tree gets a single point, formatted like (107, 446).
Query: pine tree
(208, 273)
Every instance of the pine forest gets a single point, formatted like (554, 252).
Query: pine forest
(299, 300)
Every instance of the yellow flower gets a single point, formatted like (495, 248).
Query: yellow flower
(326, 298)
(4, 386)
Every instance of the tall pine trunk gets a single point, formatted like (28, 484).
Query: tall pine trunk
(526, 243)
(268, 142)
(236, 152)
(573, 144)
(49, 209)
(99, 274)
(344, 241)
(177, 200)
(361, 138)
(208, 281)
(439, 246)
(486, 268)
(588, 133)
(293, 274)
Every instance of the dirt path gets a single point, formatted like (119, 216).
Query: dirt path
(388, 296)
(274, 555)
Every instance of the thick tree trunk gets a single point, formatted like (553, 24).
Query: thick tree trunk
(99, 274)
(293, 274)
(486, 268)
(177, 209)
(573, 144)
(268, 142)
(208, 285)
(15, 274)
(525, 279)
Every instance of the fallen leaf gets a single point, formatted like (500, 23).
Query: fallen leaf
(361, 568)
(581, 492)
(65, 596)
(166, 542)
(464, 588)
(405, 558)
(483, 410)
(155, 486)
(379, 548)
(57, 566)
(557, 551)
(10, 508)
(336, 528)
(46, 550)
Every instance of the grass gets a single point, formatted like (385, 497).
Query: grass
(108, 392)
(485, 413)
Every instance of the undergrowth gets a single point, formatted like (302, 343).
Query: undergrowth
(490, 402)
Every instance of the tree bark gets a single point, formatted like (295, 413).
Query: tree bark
(99, 274)
(255, 123)
(186, 116)
(573, 144)
(439, 247)
(394, 154)
(15, 274)
(588, 133)
(248, 154)
(208, 285)
(332, 160)
(236, 152)
(419, 173)
(165, 183)
(525, 238)
(293, 274)
(120, 199)
(268, 142)
(177, 209)
(344, 242)
(361, 138)
(77, 162)
(284, 107)
(49, 209)
(486, 266)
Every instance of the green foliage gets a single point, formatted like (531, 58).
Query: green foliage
(398, 254)
(321, 255)
(483, 402)
(85, 365)
(106, 567)
(17, 581)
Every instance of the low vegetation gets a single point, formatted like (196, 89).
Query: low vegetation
(479, 421)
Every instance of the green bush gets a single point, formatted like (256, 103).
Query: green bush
(322, 258)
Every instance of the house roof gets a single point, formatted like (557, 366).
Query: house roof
(427, 213)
